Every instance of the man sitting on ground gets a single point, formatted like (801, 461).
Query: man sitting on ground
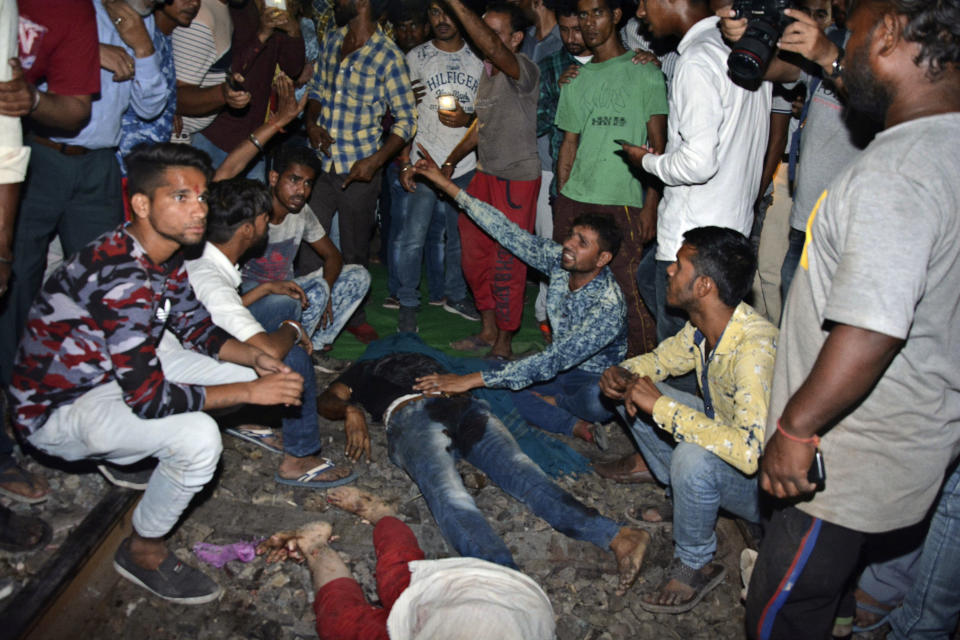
(237, 222)
(321, 301)
(706, 451)
(420, 598)
(428, 432)
(586, 310)
(88, 381)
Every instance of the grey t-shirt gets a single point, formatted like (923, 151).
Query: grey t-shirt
(507, 121)
(833, 136)
(883, 254)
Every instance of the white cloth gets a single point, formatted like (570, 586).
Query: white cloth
(215, 280)
(443, 73)
(14, 156)
(716, 142)
(470, 599)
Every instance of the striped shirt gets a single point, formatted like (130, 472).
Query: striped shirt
(355, 93)
(202, 55)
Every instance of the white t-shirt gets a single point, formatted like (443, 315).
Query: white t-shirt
(443, 73)
(716, 142)
(215, 280)
(283, 242)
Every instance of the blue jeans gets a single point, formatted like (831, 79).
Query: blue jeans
(348, 291)
(255, 171)
(652, 283)
(301, 434)
(426, 217)
(426, 437)
(434, 244)
(700, 481)
(577, 394)
(790, 261)
(932, 606)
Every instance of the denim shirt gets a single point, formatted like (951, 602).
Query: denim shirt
(589, 324)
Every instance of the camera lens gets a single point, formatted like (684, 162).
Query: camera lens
(750, 56)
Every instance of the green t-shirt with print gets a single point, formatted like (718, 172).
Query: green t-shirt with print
(607, 101)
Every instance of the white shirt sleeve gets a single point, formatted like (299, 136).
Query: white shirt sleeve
(222, 300)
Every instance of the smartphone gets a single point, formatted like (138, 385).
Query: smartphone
(622, 141)
(276, 4)
(817, 474)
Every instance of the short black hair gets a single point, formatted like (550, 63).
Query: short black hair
(518, 22)
(609, 235)
(409, 10)
(147, 163)
(613, 4)
(377, 7)
(726, 257)
(286, 155)
(233, 203)
(566, 8)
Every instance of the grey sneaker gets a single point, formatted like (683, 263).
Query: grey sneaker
(134, 476)
(437, 303)
(407, 322)
(172, 580)
(463, 308)
(391, 302)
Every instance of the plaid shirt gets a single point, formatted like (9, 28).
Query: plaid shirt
(551, 68)
(356, 92)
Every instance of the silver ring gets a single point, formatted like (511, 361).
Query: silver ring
(118, 21)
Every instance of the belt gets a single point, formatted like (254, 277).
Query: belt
(62, 147)
(400, 403)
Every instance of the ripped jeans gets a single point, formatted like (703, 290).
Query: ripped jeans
(426, 437)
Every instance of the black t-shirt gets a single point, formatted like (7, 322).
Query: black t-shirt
(377, 383)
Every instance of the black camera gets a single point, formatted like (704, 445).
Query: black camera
(766, 21)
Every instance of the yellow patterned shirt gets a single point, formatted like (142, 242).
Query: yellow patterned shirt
(739, 373)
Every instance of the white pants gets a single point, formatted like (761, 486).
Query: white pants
(543, 227)
(100, 425)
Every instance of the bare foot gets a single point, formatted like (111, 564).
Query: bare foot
(629, 546)
(583, 430)
(292, 467)
(360, 503)
(473, 343)
(676, 592)
(295, 544)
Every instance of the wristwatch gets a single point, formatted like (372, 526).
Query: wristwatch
(836, 69)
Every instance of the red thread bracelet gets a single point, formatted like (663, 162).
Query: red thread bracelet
(814, 439)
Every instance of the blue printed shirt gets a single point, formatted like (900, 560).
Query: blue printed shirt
(589, 324)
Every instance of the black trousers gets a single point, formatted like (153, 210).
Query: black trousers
(803, 571)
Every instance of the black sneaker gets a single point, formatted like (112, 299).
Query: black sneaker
(391, 302)
(407, 321)
(172, 580)
(134, 476)
(463, 308)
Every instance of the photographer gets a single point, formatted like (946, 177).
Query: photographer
(832, 135)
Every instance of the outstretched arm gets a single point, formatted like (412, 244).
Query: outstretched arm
(333, 404)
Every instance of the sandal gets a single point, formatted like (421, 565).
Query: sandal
(634, 515)
(696, 579)
(308, 480)
(19, 534)
(257, 436)
(14, 473)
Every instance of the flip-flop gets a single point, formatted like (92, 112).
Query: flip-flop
(470, 343)
(599, 436)
(255, 436)
(635, 517)
(700, 584)
(307, 479)
(15, 473)
(879, 622)
(15, 527)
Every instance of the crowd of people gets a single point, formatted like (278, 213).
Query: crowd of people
(192, 191)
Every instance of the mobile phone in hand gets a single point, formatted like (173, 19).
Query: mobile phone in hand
(276, 4)
(233, 84)
(817, 474)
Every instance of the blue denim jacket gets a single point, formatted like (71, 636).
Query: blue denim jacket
(589, 324)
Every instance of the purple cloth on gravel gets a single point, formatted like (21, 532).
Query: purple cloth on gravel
(220, 554)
